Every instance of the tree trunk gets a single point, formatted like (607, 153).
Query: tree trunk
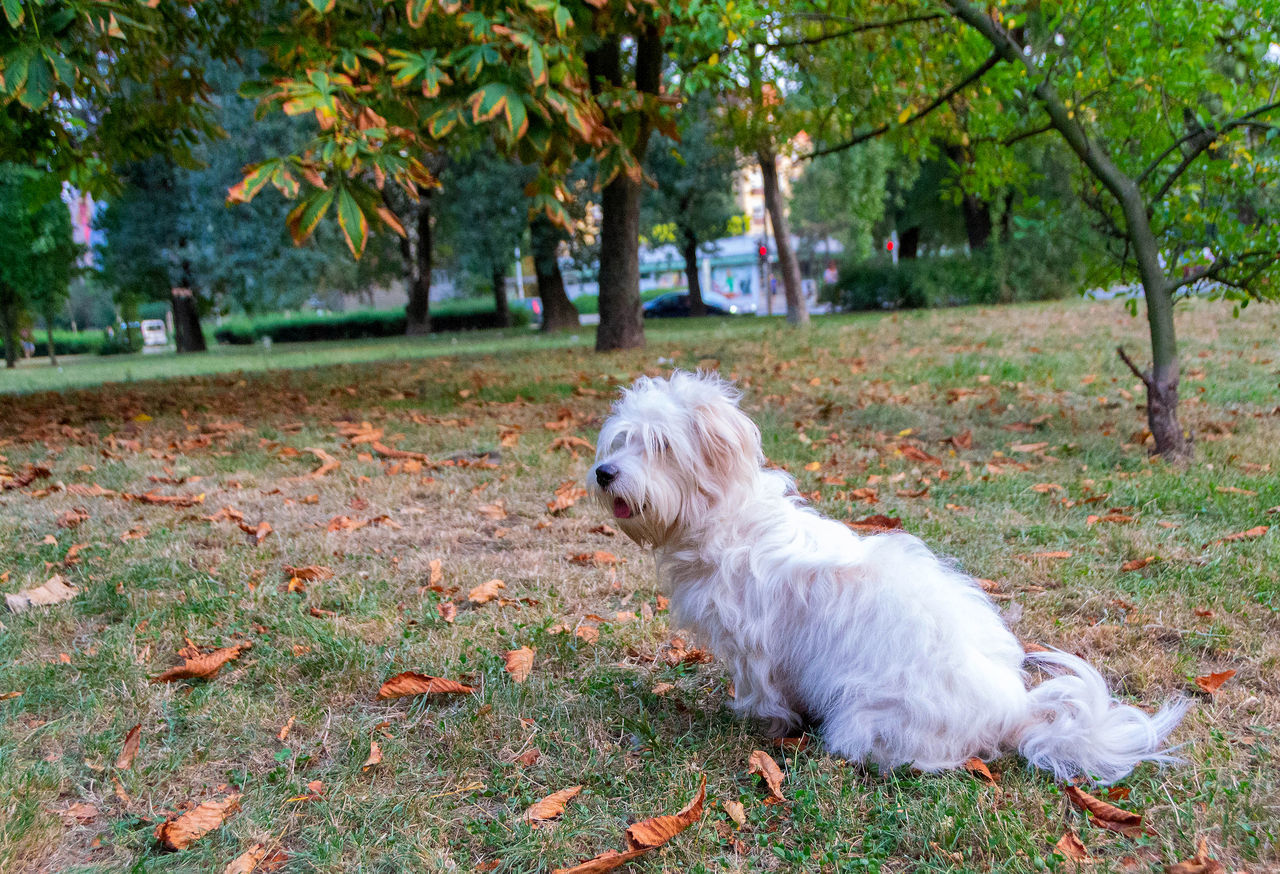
(558, 312)
(977, 221)
(9, 326)
(909, 242)
(48, 338)
(501, 311)
(186, 322)
(788, 266)
(621, 319)
(418, 310)
(697, 307)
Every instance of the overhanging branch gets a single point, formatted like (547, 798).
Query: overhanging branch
(848, 31)
(917, 115)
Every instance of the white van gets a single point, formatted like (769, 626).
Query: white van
(154, 333)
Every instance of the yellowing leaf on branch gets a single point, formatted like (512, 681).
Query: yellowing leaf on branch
(178, 833)
(410, 683)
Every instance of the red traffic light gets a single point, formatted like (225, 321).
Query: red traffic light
(764, 251)
(889, 246)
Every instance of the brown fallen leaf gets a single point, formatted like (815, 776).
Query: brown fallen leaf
(226, 514)
(1252, 533)
(256, 860)
(1069, 845)
(763, 765)
(1211, 682)
(979, 769)
(259, 533)
(436, 573)
(914, 453)
(448, 611)
(1200, 863)
(73, 518)
(486, 592)
(529, 757)
(52, 591)
(566, 496)
(1137, 564)
(645, 836)
(1107, 815)
(550, 808)
(375, 756)
(1109, 518)
(571, 444)
(328, 464)
(599, 558)
(1063, 553)
(496, 511)
(963, 440)
(129, 749)
(202, 667)
(134, 534)
(179, 832)
(288, 727)
(411, 683)
(178, 502)
(1046, 488)
(519, 663)
(310, 573)
(875, 523)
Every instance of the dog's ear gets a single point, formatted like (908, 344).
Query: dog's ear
(728, 440)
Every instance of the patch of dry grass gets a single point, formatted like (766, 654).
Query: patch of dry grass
(1039, 390)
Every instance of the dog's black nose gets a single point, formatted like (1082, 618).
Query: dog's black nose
(605, 474)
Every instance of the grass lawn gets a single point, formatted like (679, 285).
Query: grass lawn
(1036, 427)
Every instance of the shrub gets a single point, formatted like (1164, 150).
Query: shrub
(120, 343)
(70, 342)
(465, 315)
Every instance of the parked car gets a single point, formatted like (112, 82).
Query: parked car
(154, 333)
(676, 304)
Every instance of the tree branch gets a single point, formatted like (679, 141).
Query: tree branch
(917, 115)
(1124, 356)
(848, 31)
(1215, 270)
(1208, 137)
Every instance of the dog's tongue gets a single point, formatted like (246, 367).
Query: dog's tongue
(621, 510)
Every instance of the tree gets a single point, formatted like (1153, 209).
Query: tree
(694, 193)
(842, 197)
(1169, 108)
(37, 254)
(558, 312)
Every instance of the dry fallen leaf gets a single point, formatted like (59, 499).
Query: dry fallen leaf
(375, 756)
(550, 808)
(495, 511)
(436, 573)
(179, 832)
(571, 444)
(1107, 815)
(53, 591)
(979, 769)
(259, 533)
(736, 811)
(486, 592)
(411, 683)
(202, 667)
(129, 749)
(1211, 682)
(567, 495)
(448, 610)
(645, 836)
(599, 558)
(1058, 554)
(1069, 845)
(1137, 564)
(762, 764)
(328, 464)
(73, 518)
(1256, 531)
(519, 663)
(310, 573)
(248, 861)
(875, 523)
(1200, 863)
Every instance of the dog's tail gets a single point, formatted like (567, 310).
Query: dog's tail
(1078, 729)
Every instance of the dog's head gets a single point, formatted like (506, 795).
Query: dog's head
(671, 453)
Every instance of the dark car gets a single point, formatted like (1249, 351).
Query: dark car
(676, 304)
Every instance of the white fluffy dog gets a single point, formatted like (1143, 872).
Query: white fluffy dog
(898, 656)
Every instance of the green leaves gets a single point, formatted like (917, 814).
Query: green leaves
(416, 11)
(322, 6)
(13, 12)
(302, 221)
(352, 221)
(498, 98)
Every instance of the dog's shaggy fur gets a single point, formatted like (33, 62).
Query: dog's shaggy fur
(898, 656)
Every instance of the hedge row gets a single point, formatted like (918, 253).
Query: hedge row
(459, 316)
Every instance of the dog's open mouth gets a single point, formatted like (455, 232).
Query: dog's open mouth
(621, 509)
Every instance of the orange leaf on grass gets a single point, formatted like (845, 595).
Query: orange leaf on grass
(73, 518)
(875, 523)
(979, 769)
(259, 533)
(486, 592)
(129, 749)
(1137, 564)
(1210, 683)
(448, 611)
(179, 832)
(1200, 863)
(436, 572)
(1062, 553)
(566, 496)
(375, 756)
(645, 836)
(1107, 815)
(257, 860)
(763, 765)
(599, 558)
(411, 683)
(550, 808)
(328, 464)
(1252, 533)
(496, 511)
(52, 591)
(309, 573)
(519, 662)
(1069, 845)
(202, 667)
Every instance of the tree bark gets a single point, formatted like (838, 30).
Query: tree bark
(48, 338)
(558, 312)
(501, 310)
(418, 310)
(977, 221)
(9, 326)
(621, 319)
(697, 307)
(909, 242)
(797, 309)
(186, 321)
